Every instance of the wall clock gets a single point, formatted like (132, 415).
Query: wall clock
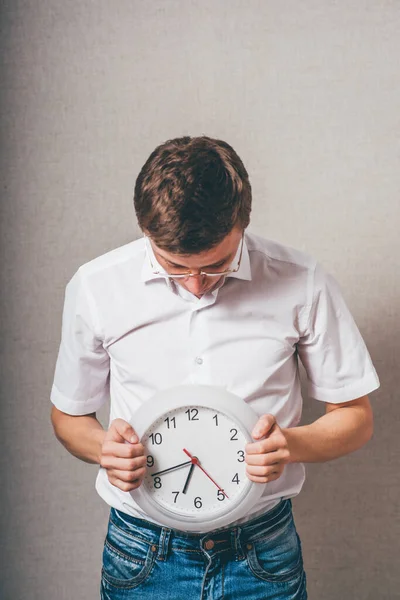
(194, 438)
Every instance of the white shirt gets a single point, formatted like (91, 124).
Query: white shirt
(128, 333)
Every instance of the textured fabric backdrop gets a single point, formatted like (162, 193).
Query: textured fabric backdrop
(308, 93)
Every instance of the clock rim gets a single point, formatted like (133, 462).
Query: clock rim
(233, 407)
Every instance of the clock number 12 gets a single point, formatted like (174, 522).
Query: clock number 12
(192, 414)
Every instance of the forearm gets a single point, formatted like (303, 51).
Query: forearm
(82, 436)
(335, 434)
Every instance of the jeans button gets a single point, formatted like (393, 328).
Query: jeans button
(209, 545)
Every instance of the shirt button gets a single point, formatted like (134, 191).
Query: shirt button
(209, 545)
(199, 360)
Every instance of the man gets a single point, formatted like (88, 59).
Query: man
(198, 300)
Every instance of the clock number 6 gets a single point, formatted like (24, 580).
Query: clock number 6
(197, 502)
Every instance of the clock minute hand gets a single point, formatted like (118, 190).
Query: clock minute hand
(195, 461)
(171, 468)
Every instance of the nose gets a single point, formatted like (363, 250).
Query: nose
(196, 284)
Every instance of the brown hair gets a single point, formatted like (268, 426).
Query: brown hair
(191, 193)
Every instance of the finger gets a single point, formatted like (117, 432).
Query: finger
(263, 446)
(125, 486)
(123, 464)
(271, 458)
(263, 426)
(256, 471)
(268, 479)
(122, 431)
(122, 450)
(126, 476)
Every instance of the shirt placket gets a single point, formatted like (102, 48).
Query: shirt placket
(198, 344)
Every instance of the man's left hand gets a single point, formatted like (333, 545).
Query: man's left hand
(266, 458)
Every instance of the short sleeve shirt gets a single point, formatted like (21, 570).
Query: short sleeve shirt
(128, 333)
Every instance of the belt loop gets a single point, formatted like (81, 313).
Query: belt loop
(163, 545)
(235, 535)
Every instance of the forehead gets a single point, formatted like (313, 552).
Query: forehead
(224, 250)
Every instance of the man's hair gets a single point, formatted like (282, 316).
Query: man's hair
(191, 193)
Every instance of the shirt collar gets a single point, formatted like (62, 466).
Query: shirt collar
(244, 271)
(147, 274)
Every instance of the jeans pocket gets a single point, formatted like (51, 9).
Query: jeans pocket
(277, 558)
(127, 560)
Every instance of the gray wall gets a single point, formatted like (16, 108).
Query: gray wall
(308, 93)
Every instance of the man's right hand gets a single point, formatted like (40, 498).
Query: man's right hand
(124, 462)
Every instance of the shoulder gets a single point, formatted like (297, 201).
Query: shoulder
(114, 259)
(282, 256)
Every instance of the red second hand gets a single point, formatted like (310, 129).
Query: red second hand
(195, 461)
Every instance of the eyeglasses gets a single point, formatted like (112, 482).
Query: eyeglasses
(201, 273)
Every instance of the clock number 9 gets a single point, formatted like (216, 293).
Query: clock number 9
(197, 502)
(150, 461)
(157, 483)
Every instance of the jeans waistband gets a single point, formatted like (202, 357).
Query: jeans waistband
(233, 538)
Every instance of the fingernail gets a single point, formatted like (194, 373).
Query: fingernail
(134, 439)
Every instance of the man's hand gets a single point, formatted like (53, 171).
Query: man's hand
(266, 458)
(124, 462)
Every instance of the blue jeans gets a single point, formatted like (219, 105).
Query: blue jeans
(259, 560)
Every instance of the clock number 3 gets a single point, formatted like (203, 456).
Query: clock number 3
(241, 456)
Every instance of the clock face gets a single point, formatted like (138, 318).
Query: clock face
(194, 438)
(195, 462)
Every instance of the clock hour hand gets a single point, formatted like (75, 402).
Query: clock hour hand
(195, 461)
(171, 468)
(188, 478)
